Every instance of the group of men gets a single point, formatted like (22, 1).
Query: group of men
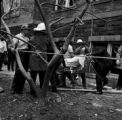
(72, 65)
(33, 62)
(6, 56)
(41, 42)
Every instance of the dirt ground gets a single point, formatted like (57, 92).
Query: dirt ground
(64, 105)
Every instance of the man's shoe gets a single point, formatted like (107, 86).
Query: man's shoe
(99, 92)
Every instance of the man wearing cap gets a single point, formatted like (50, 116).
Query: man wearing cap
(41, 41)
(80, 47)
(19, 80)
(81, 50)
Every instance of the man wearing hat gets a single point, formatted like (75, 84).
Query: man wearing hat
(81, 50)
(19, 80)
(80, 47)
(41, 41)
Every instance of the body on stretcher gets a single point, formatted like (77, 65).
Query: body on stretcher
(75, 67)
(76, 62)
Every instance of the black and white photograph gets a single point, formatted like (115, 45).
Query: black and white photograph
(61, 60)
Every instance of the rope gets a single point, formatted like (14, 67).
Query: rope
(87, 55)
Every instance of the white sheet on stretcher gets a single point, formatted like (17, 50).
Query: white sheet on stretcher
(75, 61)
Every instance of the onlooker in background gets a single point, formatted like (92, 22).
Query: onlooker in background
(11, 59)
(81, 47)
(19, 79)
(119, 67)
(3, 51)
(41, 41)
(61, 81)
(68, 58)
(101, 67)
(81, 50)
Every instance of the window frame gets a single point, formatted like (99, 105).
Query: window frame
(65, 8)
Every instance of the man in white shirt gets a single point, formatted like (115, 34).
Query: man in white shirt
(78, 60)
(19, 80)
(3, 49)
(23, 35)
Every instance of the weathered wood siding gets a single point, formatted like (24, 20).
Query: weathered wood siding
(26, 14)
(108, 10)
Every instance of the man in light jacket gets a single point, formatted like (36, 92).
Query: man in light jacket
(119, 67)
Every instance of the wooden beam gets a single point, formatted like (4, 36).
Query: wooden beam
(113, 91)
(106, 38)
(104, 15)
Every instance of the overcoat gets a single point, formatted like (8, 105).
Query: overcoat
(41, 42)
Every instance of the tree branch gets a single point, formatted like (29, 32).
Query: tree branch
(47, 26)
(29, 79)
(24, 73)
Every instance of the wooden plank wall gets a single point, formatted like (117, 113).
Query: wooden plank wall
(112, 27)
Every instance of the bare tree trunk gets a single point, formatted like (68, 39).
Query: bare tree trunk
(53, 63)
(29, 79)
(47, 26)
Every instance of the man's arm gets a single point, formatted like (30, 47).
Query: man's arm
(15, 41)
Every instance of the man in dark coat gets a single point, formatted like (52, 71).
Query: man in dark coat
(101, 66)
(41, 42)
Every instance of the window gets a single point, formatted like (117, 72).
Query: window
(11, 4)
(63, 3)
(68, 3)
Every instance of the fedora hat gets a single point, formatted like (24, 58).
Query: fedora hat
(40, 27)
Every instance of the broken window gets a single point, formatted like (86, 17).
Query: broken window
(63, 3)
